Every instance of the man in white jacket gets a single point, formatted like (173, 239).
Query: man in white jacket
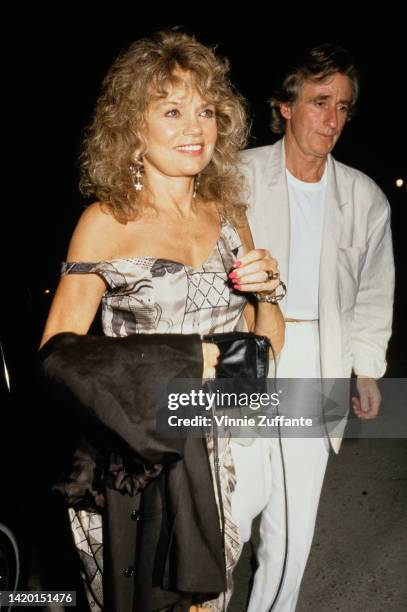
(328, 226)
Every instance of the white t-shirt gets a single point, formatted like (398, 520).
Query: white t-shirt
(307, 202)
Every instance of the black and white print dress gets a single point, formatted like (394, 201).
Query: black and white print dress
(149, 295)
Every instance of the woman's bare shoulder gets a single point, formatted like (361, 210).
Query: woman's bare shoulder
(96, 235)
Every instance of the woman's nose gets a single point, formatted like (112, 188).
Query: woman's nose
(192, 125)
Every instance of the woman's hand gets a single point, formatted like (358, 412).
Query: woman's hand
(210, 359)
(257, 271)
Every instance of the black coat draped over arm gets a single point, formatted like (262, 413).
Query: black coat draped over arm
(114, 387)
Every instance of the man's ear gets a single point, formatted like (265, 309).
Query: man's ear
(285, 110)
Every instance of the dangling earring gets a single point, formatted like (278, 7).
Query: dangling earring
(137, 171)
(196, 185)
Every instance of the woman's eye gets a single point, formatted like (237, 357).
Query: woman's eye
(208, 113)
(173, 112)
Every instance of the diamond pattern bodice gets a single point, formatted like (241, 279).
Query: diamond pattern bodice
(150, 295)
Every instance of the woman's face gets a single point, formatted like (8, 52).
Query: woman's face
(180, 132)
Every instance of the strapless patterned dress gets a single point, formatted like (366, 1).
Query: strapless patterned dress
(153, 295)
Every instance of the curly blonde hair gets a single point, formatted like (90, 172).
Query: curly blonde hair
(147, 68)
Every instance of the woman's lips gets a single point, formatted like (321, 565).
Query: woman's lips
(190, 149)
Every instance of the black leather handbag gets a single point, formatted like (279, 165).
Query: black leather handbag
(244, 362)
(244, 357)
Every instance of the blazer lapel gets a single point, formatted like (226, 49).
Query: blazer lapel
(276, 221)
(329, 307)
(280, 212)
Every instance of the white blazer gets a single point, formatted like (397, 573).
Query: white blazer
(356, 284)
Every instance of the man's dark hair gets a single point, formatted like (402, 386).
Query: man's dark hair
(316, 65)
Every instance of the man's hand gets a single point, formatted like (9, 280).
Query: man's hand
(366, 406)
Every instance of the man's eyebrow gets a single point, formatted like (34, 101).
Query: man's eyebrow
(322, 97)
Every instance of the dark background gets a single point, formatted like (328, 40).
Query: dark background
(57, 62)
(66, 65)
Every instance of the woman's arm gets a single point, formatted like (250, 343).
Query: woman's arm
(262, 318)
(78, 296)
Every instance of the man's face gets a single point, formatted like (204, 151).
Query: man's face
(316, 119)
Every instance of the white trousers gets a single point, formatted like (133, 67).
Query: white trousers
(260, 487)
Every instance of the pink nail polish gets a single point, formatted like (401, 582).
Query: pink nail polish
(237, 264)
(232, 275)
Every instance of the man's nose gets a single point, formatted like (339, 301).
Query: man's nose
(332, 117)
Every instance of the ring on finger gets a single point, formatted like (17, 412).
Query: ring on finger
(271, 275)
